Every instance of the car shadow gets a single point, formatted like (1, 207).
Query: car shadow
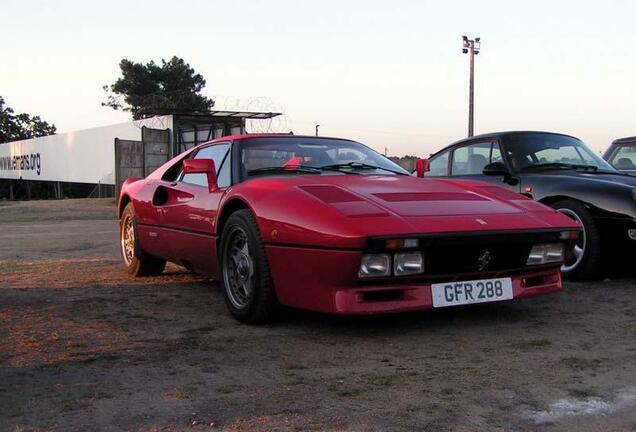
(620, 267)
(434, 319)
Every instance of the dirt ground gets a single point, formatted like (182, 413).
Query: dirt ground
(84, 347)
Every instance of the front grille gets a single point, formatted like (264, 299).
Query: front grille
(475, 258)
(456, 253)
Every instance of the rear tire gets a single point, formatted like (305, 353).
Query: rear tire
(138, 262)
(245, 274)
(586, 262)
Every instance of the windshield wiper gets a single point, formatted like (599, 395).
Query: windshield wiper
(287, 170)
(342, 167)
(559, 165)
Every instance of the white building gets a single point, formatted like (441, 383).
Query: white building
(89, 157)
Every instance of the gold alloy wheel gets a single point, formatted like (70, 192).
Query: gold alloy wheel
(127, 240)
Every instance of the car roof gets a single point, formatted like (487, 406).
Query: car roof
(267, 135)
(496, 135)
(626, 140)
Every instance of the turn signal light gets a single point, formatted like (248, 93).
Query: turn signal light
(569, 235)
(402, 243)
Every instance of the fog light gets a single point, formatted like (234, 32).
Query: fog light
(546, 253)
(632, 233)
(408, 263)
(374, 265)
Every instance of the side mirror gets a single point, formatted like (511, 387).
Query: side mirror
(422, 166)
(202, 166)
(496, 169)
(499, 169)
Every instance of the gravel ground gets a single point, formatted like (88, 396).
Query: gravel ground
(84, 347)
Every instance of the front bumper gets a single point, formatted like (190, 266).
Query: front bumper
(413, 297)
(324, 280)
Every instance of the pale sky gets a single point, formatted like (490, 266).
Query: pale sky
(387, 73)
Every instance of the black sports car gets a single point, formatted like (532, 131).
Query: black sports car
(557, 170)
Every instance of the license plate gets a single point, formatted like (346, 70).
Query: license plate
(470, 292)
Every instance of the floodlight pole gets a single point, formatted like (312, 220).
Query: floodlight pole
(471, 97)
(472, 45)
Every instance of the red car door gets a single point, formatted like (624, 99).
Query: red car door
(190, 209)
(148, 218)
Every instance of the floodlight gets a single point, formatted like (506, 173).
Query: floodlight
(473, 47)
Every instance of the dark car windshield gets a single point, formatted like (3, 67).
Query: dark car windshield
(306, 155)
(535, 151)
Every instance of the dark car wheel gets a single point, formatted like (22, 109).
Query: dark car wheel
(247, 284)
(585, 261)
(138, 263)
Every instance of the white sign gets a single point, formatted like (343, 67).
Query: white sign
(86, 156)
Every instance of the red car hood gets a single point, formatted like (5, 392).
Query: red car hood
(421, 200)
(351, 207)
(409, 197)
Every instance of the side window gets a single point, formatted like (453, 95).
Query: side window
(471, 159)
(174, 172)
(495, 155)
(217, 153)
(224, 174)
(624, 158)
(460, 161)
(439, 165)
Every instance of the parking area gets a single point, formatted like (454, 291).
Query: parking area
(84, 347)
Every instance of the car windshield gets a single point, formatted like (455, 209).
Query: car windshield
(536, 151)
(306, 155)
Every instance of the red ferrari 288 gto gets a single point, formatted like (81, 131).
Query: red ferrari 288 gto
(330, 225)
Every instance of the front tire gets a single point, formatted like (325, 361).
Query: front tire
(138, 262)
(247, 283)
(585, 262)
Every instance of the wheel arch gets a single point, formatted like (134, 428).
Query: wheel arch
(587, 262)
(550, 200)
(230, 206)
(123, 202)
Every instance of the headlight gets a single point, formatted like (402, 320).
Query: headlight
(546, 253)
(408, 263)
(373, 265)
